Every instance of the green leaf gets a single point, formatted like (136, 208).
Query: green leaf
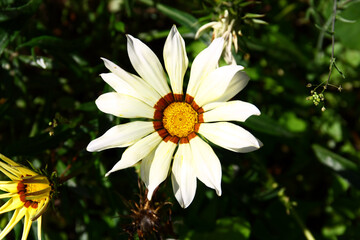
(259, 21)
(5, 38)
(333, 160)
(349, 33)
(267, 125)
(345, 20)
(25, 10)
(342, 166)
(253, 15)
(178, 16)
(50, 42)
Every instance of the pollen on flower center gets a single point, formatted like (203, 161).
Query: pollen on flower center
(179, 119)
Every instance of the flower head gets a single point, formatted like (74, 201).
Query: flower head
(29, 195)
(176, 121)
(224, 28)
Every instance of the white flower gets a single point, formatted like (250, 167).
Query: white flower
(223, 28)
(171, 135)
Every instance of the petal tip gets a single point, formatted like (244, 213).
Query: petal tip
(218, 192)
(90, 147)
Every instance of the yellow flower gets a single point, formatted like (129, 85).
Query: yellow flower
(29, 195)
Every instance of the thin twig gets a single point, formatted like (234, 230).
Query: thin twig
(332, 60)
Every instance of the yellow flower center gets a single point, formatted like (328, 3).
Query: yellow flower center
(179, 119)
(33, 189)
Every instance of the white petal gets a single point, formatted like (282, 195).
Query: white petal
(183, 176)
(203, 64)
(145, 167)
(207, 164)
(175, 59)
(229, 111)
(118, 84)
(160, 165)
(203, 28)
(125, 106)
(136, 152)
(215, 84)
(121, 136)
(147, 65)
(238, 82)
(143, 90)
(230, 136)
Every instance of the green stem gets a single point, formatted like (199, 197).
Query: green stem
(306, 231)
(332, 42)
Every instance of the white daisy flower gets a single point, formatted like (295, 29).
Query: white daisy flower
(177, 121)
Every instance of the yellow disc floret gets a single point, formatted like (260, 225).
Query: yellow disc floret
(179, 119)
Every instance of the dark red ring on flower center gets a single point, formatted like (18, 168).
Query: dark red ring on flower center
(162, 104)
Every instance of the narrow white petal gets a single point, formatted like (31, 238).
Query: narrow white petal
(160, 165)
(183, 176)
(175, 59)
(125, 106)
(121, 136)
(145, 167)
(203, 64)
(215, 84)
(136, 152)
(118, 84)
(230, 136)
(147, 65)
(207, 164)
(229, 111)
(203, 28)
(238, 82)
(144, 91)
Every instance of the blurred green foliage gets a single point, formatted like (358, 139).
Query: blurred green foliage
(305, 177)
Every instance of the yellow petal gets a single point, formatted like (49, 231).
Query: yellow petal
(15, 168)
(39, 221)
(8, 160)
(42, 206)
(18, 214)
(7, 195)
(38, 179)
(44, 193)
(25, 171)
(27, 224)
(12, 204)
(9, 186)
(9, 172)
